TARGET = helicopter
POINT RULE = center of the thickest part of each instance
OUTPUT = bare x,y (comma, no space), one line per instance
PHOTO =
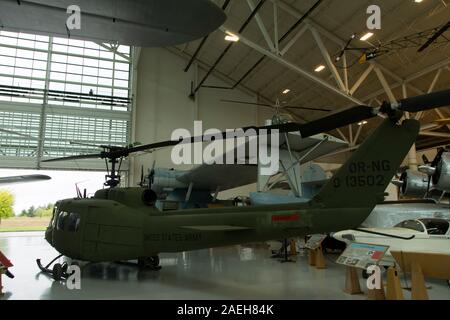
122,224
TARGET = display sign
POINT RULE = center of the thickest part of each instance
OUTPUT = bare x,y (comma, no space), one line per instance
315,241
362,255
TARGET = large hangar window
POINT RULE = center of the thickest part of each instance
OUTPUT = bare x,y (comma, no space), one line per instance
60,96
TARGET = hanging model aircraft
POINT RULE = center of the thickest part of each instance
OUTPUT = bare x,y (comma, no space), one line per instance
123,224
24,178
150,23
199,187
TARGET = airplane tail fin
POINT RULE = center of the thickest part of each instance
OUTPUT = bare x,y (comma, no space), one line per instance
362,180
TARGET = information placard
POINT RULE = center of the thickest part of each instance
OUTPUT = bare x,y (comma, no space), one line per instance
362,255
315,241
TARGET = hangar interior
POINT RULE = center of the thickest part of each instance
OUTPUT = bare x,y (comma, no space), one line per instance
62,97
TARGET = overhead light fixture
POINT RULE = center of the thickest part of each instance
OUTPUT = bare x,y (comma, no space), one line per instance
286,91
231,37
367,36
418,1
320,68
362,123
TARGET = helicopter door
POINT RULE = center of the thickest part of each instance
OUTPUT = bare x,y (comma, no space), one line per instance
67,235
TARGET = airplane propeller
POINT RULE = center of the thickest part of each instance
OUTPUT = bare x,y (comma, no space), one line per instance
141,183
333,121
151,177
431,169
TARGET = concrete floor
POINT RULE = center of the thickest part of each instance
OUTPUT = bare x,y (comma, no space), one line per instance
241,272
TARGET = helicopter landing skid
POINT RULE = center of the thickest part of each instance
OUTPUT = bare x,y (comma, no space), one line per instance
58,272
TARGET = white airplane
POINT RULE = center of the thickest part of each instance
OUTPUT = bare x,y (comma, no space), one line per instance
23,179
420,235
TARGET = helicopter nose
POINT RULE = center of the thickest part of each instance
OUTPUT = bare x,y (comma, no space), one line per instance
48,235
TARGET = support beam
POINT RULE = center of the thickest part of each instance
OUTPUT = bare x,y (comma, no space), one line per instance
295,13
326,56
275,28
385,85
361,79
411,78
262,27
342,135
229,46
350,134
344,60
293,40
432,86
114,50
293,67
358,133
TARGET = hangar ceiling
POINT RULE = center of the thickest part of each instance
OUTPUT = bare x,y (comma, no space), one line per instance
323,34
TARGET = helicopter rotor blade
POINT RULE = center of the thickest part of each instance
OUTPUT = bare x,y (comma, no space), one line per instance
19,134
80,157
274,107
425,102
333,121
249,103
306,108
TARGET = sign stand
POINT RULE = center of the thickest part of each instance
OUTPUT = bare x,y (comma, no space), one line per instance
352,282
421,265
376,294
418,287
394,288
312,258
320,259
286,254
361,256
293,247
314,246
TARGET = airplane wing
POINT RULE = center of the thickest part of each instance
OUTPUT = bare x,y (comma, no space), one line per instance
23,179
222,177
217,228
225,177
307,149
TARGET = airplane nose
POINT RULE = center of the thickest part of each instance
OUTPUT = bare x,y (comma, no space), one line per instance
344,236
337,236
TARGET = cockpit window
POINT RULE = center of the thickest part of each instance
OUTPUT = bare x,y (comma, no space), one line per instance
73,222
55,212
436,226
412,225
61,220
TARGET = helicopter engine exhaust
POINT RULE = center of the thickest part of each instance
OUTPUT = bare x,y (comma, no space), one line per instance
134,197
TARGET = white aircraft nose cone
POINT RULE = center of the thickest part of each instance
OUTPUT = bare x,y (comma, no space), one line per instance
344,236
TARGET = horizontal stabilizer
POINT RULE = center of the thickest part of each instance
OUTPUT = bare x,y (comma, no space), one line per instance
217,228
